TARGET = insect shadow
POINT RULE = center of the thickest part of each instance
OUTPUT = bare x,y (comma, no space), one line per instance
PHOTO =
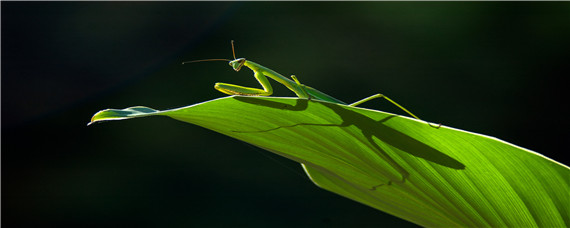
370,128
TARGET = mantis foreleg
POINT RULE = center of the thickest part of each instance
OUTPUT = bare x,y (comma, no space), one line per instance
231,89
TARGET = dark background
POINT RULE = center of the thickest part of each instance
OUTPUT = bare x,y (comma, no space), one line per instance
493,68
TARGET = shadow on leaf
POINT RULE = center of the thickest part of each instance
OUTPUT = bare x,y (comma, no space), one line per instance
369,128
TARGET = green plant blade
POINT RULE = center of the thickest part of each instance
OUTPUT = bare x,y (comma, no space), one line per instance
429,176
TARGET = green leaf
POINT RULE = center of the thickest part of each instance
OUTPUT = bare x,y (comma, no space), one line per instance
429,176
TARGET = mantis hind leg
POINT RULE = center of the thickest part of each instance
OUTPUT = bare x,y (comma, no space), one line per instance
393,102
247,91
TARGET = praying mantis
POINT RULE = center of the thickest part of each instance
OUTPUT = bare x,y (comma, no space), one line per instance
261,74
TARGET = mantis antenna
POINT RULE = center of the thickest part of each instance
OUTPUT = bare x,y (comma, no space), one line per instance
233,50
206,60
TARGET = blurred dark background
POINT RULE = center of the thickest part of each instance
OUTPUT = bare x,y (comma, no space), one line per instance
494,68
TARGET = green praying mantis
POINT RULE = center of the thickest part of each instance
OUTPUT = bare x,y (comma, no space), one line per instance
261,74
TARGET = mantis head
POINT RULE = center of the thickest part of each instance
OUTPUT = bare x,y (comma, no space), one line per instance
237,63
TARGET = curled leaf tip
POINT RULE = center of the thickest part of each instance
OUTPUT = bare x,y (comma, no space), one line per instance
121,114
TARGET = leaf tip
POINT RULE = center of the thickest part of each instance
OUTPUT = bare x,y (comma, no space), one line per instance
121,114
